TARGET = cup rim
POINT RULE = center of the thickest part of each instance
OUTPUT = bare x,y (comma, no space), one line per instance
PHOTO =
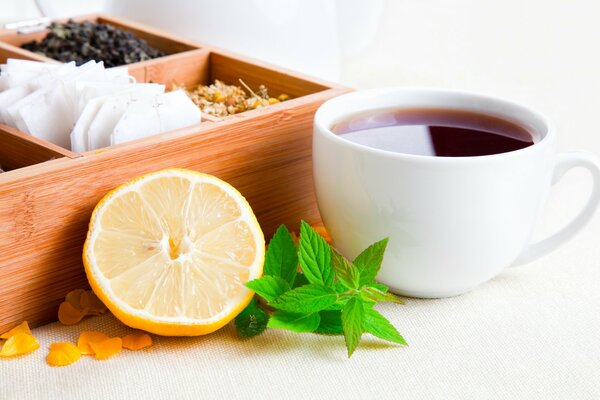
547,137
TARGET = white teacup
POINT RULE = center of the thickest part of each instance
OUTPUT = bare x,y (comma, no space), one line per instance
453,222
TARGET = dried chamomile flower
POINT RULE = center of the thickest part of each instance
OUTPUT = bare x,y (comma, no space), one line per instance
21,328
21,343
107,348
62,354
137,341
221,100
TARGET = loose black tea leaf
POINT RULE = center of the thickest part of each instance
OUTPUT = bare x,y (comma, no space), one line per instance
85,41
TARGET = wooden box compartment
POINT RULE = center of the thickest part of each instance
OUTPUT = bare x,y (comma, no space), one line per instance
48,194
167,43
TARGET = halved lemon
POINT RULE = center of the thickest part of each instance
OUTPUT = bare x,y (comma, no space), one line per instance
169,252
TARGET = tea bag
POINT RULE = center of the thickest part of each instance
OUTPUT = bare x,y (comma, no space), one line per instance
3,82
119,75
113,109
51,116
79,135
50,76
21,72
165,112
9,97
86,91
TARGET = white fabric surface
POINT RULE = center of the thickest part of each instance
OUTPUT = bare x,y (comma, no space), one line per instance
530,333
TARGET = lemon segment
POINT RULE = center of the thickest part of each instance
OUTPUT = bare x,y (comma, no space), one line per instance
170,252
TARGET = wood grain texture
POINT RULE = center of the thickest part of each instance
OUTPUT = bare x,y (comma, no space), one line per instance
45,207
19,150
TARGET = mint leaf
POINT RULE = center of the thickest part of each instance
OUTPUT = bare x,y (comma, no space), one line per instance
377,325
379,286
315,256
352,323
269,287
369,261
376,295
300,280
281,259
252,321
305,299
345,272
331,323
294,321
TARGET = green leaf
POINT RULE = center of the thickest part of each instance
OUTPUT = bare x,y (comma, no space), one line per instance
269,287
252,321
379,286
331,323
281,259
369,261
315,256
306,299
377,325
294,321
352,323
300,280
345,272
376,295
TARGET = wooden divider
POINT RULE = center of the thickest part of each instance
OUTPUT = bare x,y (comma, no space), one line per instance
45,207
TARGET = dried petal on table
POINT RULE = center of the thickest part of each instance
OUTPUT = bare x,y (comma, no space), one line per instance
137,341
74,297
107,348
90,301
87,338
21,343
320,229
69,315
62,354
22,328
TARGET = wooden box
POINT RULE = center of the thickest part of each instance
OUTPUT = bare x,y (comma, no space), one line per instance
48,193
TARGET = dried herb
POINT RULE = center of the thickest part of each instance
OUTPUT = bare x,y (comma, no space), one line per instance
221,99
85,41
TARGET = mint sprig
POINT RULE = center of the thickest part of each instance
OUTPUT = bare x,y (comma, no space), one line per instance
330,295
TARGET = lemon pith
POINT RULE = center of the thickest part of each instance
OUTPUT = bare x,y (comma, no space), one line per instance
169,252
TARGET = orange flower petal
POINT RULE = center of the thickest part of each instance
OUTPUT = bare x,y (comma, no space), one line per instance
86,338
107,348
92,302
320,229
20,343
137,341
69,315
23,328
74,297
62,354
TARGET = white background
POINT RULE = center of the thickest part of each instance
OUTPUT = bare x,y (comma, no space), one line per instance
530,333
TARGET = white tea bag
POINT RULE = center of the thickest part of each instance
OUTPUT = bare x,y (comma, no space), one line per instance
3,82
10,113
51,76
52,116
113,109
164,113
11,96
21,72
119,75
47,117
79,135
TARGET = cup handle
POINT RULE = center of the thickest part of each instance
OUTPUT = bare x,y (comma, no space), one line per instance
564,162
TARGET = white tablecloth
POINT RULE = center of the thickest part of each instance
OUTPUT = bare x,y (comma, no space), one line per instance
530,333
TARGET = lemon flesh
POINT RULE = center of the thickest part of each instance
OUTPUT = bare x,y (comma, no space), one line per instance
170,252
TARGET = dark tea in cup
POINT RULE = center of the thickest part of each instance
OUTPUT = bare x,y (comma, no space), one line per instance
434,132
